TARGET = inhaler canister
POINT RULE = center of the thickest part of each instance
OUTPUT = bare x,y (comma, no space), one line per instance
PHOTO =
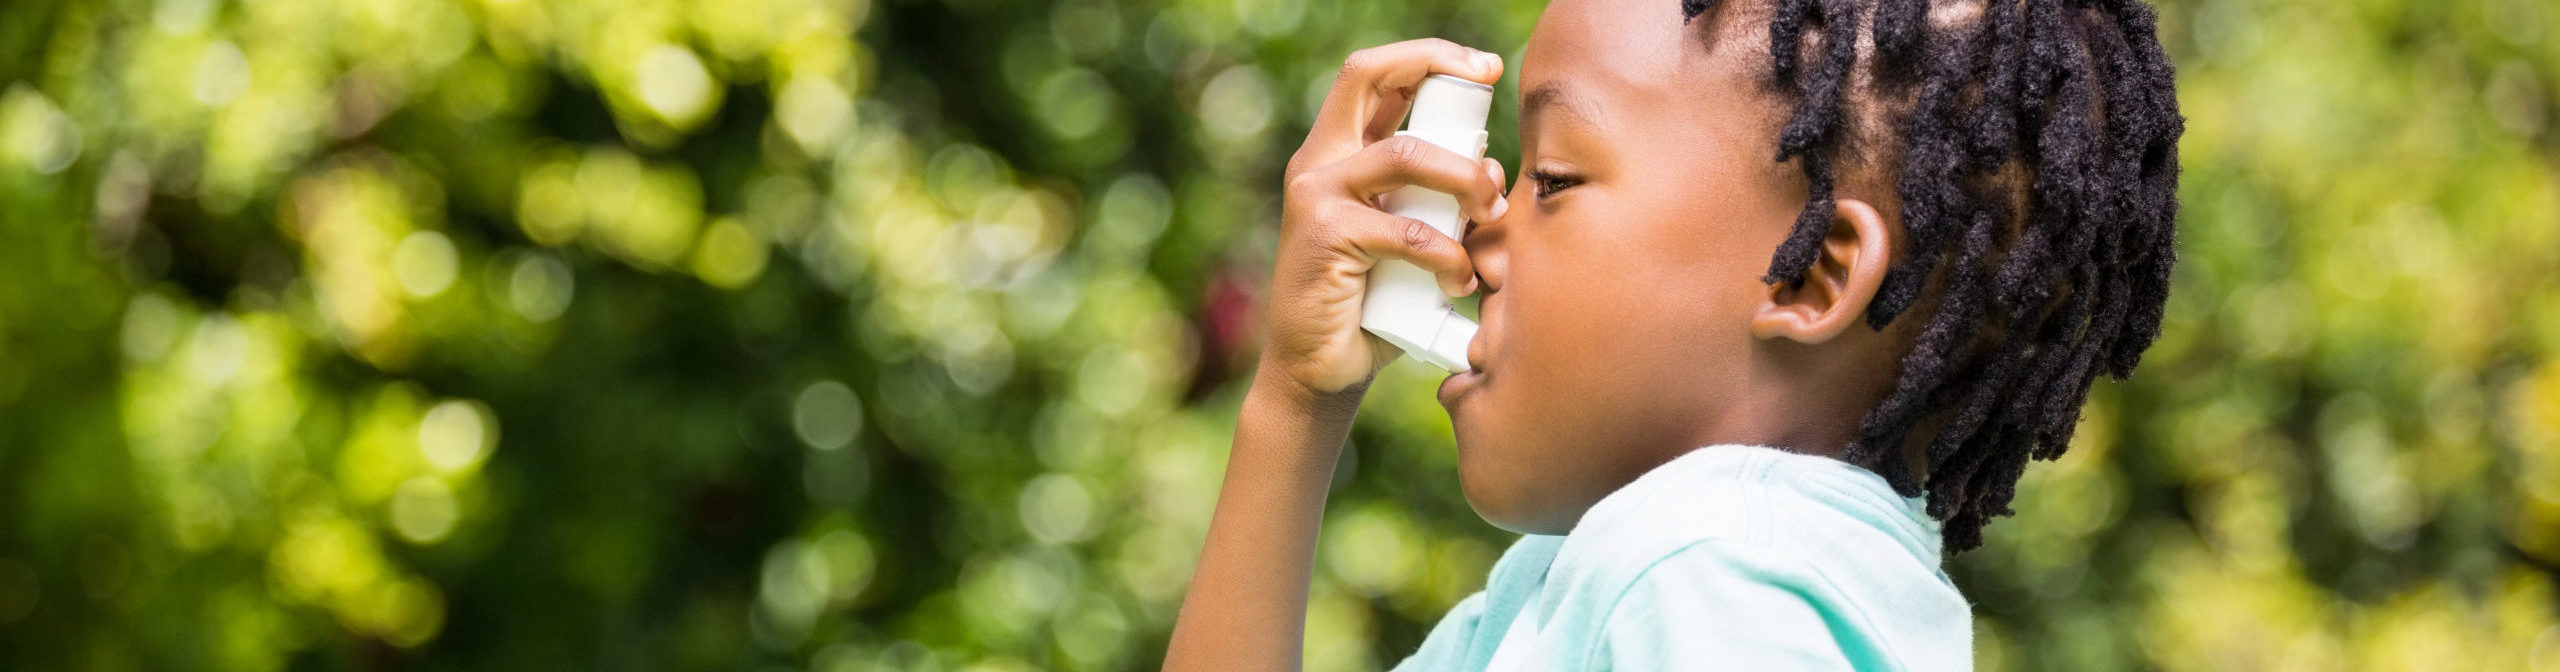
1404,304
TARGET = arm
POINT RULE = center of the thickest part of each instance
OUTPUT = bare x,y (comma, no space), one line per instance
1248,602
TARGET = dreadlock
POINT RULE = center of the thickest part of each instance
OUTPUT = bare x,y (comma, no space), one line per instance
2035,143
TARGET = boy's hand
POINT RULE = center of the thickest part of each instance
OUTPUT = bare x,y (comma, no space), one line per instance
1331,230
1248,602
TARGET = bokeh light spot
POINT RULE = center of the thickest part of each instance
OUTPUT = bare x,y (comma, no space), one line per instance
1373,550
37,132
1236,105
826,415
150,327
539,287
181,17
1132,214
795,585
424,263
411,613
850,563
221,75
674,84
1112,380
423,510
729,256
1056,509
1076,102
814,111
455,435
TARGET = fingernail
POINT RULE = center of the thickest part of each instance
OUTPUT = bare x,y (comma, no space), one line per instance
1500,206
1472,282
1488,62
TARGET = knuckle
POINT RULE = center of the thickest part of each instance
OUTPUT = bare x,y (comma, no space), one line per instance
1307,183
1403,152
1417,235
1358,63
1295,183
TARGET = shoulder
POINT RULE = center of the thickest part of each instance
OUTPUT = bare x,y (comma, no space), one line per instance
1736,603
1787,556
1466,636
1757,606
1747,497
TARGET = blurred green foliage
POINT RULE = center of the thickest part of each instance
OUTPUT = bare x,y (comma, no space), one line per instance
825,334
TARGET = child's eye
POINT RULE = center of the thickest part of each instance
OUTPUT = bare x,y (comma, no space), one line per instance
1547,182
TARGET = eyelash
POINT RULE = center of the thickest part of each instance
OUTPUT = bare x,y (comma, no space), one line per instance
1547,182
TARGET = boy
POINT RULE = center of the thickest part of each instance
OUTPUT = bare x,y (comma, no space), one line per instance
1754,461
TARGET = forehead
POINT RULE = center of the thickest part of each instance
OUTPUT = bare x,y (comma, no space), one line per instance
1607,41
1642,56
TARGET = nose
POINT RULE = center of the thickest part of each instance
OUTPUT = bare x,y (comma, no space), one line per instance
1484,242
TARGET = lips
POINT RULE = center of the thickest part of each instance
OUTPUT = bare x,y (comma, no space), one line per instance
1459,384
1479,349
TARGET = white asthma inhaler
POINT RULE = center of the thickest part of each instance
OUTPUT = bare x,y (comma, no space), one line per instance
1404,304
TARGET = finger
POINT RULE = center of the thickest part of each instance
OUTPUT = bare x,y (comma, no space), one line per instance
1406,160
1372,236
1392,106
1360,90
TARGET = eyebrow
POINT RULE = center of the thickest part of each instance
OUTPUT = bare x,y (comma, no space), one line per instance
1557,96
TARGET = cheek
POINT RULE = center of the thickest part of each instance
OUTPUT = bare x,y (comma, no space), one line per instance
1596,315
1624,313
1642,283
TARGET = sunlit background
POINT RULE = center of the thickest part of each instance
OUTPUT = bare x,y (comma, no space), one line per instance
834,335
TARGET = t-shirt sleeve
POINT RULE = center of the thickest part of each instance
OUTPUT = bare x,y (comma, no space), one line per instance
1713,606
1446,647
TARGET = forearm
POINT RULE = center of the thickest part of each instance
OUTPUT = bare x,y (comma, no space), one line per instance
1247,606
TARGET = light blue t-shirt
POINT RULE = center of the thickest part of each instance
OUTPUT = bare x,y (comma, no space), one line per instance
1729,557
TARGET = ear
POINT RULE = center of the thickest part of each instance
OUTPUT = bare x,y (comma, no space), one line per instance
1843,280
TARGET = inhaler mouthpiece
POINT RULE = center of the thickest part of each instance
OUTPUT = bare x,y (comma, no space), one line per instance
1404,304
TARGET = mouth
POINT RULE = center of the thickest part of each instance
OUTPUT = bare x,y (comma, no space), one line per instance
1457,385
1479,350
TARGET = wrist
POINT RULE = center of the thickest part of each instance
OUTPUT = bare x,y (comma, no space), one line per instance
1286,427
1274,390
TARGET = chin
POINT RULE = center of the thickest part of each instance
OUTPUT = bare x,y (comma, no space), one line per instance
1503,494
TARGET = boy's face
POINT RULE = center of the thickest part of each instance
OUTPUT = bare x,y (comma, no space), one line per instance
1619,289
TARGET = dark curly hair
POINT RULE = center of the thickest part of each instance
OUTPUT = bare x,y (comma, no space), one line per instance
2033,150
